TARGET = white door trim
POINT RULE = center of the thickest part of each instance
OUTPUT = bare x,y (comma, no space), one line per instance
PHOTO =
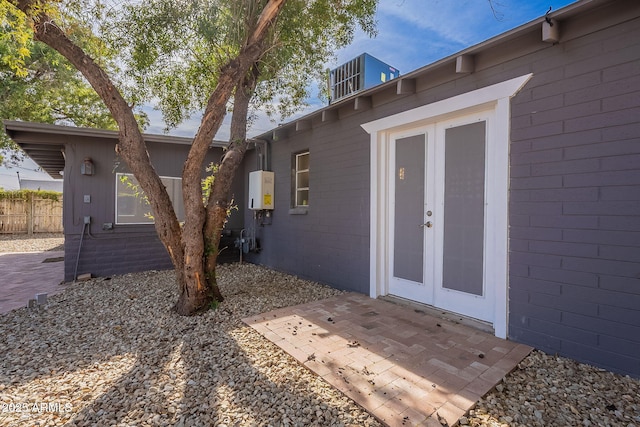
496,98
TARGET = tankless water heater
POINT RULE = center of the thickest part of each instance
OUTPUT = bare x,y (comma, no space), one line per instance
261,185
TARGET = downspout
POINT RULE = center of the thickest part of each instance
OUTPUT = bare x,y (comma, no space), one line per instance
263,154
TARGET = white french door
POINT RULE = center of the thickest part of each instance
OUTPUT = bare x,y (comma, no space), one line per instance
437,211
451,252
411,256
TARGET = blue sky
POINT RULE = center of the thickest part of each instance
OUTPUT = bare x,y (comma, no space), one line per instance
411,34
414,33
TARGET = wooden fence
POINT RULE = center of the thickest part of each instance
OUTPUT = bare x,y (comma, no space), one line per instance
30,213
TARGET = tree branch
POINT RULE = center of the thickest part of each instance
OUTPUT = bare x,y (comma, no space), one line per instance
131,142
230,75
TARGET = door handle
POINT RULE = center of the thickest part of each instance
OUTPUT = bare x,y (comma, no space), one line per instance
427,224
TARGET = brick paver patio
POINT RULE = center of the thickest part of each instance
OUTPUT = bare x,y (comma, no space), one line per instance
403,365
23,275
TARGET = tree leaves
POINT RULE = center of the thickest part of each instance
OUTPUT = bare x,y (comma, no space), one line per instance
15,39
38,84
176,59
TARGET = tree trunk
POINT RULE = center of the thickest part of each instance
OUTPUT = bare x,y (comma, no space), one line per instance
131,145
219,201
185,245
196,295
197,291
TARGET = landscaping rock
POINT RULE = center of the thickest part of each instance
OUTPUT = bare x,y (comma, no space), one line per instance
112,352
38,242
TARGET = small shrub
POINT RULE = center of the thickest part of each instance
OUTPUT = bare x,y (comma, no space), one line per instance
24,194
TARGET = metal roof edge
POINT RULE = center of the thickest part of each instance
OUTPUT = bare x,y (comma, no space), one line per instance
46,128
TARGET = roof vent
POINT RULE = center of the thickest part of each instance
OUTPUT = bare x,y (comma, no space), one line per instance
359,74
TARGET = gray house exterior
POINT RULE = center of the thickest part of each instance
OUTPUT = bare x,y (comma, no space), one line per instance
501,184
110,243
555,255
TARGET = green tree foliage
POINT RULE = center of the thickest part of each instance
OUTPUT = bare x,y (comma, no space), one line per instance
14,39
176,60
23,194
38,84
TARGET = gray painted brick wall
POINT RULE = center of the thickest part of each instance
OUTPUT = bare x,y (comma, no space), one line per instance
330,243
575,203
574,236
114,254
127,247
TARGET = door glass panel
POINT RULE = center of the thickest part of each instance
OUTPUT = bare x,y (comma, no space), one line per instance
408,245
464,208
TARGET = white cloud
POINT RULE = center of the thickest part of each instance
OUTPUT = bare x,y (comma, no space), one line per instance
188,128
414,33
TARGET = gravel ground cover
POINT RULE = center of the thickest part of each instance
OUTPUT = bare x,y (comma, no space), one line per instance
31,243
111,352
546,390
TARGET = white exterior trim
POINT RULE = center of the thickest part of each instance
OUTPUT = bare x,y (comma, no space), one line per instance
495,97
441,109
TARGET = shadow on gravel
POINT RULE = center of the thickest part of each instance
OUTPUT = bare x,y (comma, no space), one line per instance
110,352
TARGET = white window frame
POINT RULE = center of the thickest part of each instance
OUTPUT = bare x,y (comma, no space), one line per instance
176,199
297,173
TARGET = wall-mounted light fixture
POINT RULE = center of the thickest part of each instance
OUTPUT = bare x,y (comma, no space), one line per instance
87,166
550,29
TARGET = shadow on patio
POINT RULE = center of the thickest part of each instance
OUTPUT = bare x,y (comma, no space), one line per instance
403,365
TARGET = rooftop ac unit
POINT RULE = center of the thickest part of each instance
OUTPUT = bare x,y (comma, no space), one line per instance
359,74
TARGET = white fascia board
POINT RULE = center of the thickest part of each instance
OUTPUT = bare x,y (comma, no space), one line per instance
477,97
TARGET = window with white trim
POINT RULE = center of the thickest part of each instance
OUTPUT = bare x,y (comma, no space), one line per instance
301,180
132,206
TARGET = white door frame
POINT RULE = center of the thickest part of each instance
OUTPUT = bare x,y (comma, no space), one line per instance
495,99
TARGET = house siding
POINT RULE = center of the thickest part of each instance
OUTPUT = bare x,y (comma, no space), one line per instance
574,187
125,248
329,244
575,201
114,254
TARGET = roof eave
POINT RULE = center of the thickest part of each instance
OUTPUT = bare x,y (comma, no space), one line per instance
533,25
14,126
